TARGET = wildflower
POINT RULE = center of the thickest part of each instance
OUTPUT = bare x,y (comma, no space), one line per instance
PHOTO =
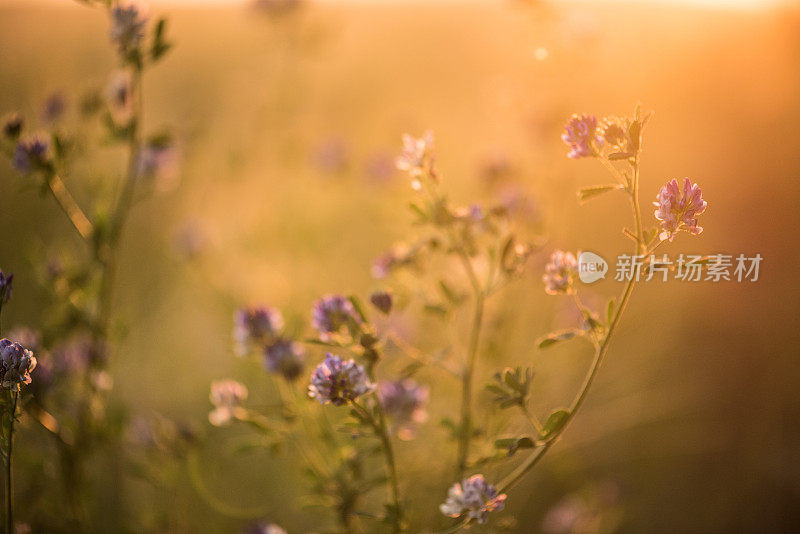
560,272
417,157
404,401
158,161
12,126
53,107
255,327
5,287
338,381
31,154
127,27
16,364
382,300
615,136
227,397
400,255
679,212
331,314
285,357
581,136
119,96
474,496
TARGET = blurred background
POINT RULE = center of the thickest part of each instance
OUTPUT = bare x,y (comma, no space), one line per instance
288,117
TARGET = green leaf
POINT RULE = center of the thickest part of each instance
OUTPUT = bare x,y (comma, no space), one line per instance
512,445
160,45
588,193
358,307
555,422
556,337
423,217
610,311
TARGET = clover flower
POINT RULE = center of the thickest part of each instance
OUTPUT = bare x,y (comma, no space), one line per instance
338,381
475,497
679,212
615,136
12,126
560,272
416,157
227,397
16,364
255,327
31,154
331,314
119,96
127,27
581,136
285,357
5,287
404,402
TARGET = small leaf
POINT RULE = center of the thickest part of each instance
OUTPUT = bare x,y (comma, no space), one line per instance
358,307
555,422
590,192
610,310
556,337
619,155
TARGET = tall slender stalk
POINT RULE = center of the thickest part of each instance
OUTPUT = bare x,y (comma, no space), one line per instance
9,465
465,434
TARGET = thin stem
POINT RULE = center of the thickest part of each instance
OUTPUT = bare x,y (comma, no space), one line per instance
537,425
637,214
610,166
534,458
69,206
9,470
465,433
382,432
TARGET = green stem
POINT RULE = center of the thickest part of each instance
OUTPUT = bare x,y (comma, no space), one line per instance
637,214
69,206
465,428
9,470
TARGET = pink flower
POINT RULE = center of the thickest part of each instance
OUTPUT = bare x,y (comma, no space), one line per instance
559,272
679,212
417,156
581,136
473,496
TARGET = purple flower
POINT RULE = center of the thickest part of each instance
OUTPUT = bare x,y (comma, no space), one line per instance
338,381
5,287
284,357
54,107
31,154
227,397
16,364
127,27
581,136
331,314
475,497
255,327
404,402
679,212
560,272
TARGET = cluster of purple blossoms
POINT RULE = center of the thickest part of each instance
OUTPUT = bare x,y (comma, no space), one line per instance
5,287
128,22
54,107
404,402
16,364
559,273
475,497
416,157
581,136
331,314
337,381
679,212
284,357
255,327
227,397
31,154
